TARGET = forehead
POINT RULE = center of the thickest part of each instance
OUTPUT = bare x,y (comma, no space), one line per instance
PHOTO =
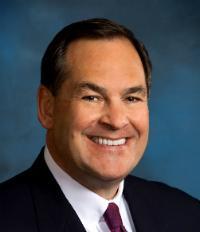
104,60
93,49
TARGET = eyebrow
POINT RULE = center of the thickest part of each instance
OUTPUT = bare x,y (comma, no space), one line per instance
91,86
136,89
101,90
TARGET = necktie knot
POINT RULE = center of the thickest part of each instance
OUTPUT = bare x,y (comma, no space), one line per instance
113,218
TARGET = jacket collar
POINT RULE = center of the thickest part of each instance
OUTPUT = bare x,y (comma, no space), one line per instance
140,204
53,211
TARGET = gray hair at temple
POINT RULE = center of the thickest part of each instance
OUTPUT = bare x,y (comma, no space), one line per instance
53,70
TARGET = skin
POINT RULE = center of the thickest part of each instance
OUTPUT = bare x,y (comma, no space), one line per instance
104,96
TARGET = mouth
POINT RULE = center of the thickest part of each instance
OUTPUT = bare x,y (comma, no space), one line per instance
108,141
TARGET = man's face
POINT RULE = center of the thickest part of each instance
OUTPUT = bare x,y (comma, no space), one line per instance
100,115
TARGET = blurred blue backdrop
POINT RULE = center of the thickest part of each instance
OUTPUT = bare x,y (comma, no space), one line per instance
171,32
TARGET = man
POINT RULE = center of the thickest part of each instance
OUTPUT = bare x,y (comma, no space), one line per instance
93,101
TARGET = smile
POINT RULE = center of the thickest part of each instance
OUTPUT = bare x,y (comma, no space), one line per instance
109,142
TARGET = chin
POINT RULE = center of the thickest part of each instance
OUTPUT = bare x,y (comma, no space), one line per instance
111,175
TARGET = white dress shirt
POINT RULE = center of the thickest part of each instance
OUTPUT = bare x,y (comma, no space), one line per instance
88,205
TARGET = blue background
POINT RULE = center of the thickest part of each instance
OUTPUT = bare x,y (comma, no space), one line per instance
171,32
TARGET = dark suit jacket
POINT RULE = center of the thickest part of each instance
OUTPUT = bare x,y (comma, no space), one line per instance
34,202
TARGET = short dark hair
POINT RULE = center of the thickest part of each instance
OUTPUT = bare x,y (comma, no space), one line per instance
52,71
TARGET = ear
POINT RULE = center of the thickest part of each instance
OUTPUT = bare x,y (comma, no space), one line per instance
45,107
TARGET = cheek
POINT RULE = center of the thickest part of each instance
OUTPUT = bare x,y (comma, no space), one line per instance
140,119
144,122
83,117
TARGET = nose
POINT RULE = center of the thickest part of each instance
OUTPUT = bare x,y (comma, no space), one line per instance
114,117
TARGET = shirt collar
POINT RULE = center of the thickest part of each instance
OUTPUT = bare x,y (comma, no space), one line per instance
87,204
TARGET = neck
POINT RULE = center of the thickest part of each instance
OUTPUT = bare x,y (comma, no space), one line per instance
105,189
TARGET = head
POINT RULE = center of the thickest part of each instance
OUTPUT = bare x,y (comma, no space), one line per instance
93,101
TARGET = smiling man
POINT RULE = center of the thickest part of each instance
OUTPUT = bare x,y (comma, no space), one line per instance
93,102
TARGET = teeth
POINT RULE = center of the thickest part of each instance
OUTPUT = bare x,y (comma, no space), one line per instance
109,142
105,141
100,140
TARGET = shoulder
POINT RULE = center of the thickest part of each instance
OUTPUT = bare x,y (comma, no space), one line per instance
15,192
154,187
16,204
162,196
157,190
18,187
168,208
16,183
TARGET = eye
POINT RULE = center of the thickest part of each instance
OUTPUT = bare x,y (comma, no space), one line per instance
132,99
91,98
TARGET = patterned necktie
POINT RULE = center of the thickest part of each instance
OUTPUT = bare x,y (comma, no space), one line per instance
113,218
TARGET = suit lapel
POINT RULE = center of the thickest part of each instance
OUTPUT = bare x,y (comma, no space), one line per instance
140,206
53,211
